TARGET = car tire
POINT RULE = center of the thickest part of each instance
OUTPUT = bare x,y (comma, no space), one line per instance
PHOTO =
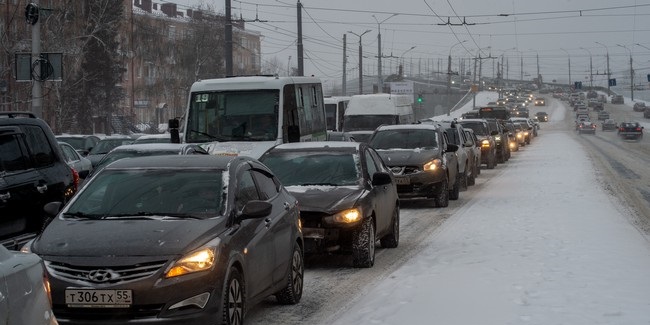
392,239
462,181
233,298
472,179
363,245
454,192
491,161
292,293
441,199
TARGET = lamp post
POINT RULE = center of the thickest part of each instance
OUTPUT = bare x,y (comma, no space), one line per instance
360,59
380,82
631,72
449,77
401,62
591,74
608,74
569,55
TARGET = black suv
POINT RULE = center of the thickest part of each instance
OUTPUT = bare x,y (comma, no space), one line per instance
497,129
32,173
421,158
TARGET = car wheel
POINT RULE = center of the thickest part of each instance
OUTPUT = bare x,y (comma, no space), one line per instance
472,179
462,181
392,239
501,158
292,293
363,245
478,167
454,192
233,299
491,161
441,199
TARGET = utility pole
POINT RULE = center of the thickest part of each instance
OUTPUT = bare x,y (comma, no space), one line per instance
228,35
344,85
301,67
608,74
591,71
569,55
631,72
380,81
360,59
37,85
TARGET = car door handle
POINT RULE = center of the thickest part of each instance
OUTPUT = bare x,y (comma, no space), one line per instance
268,220
42,189
5,197
287,205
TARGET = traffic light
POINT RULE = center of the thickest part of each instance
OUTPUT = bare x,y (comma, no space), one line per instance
420,98
578,84
612,82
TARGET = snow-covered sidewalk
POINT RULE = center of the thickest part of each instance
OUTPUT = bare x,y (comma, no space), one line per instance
551,246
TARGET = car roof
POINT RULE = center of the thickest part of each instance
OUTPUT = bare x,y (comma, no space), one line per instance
176,162
425,125
340,145
153,146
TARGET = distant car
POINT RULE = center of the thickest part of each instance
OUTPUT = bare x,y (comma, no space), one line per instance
587,127
639,107
618,99
105,145
81,165
154,138
148,149
630,130
348,197
24,290
609,125
83,143
513,143
422,159
603,115
475,153
539,101
488,145
172,240
542,116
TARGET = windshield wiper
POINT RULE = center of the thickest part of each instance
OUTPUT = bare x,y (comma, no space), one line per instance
323,184
80,215
141,215
211,136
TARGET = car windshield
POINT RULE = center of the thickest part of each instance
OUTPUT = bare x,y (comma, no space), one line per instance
77,143
314,168
150,193
478,127
404,139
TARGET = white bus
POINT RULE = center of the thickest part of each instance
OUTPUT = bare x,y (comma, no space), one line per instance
248,115
335,107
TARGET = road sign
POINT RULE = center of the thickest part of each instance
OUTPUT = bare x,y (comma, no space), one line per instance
612,82
401,88
578,84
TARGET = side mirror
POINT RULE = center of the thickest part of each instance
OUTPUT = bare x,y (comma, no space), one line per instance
256,209
381,178
52,208
494,133
452,148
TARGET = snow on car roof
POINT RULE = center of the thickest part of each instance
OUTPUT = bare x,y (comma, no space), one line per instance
318,144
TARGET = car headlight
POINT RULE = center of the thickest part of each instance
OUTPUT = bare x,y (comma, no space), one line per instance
432,165
348,216
497,138
485,143
196,261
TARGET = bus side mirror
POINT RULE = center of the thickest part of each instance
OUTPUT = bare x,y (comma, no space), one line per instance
172,126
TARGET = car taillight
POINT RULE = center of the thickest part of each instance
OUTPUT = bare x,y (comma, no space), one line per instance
638,129
75,179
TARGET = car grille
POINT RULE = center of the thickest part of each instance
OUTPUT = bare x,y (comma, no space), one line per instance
103,274
404,170
312,219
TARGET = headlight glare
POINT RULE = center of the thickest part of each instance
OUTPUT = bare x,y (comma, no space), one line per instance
432,165
196,261
348,216
485,143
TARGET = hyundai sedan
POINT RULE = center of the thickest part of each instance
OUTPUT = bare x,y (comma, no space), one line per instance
173,240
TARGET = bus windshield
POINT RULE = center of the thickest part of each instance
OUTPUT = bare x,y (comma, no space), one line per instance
250,115
367,122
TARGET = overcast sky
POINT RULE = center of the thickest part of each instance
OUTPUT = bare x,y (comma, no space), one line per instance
556,30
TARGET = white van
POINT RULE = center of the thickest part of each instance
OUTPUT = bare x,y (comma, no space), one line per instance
334,110
366,112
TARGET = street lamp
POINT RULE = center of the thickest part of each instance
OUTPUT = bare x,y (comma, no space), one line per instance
643,46
380,83
591,74
539,77
608,74
401,62
631,72
569,55
449,77
360,59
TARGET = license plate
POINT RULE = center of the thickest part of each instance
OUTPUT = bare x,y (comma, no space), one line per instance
402,180
92,298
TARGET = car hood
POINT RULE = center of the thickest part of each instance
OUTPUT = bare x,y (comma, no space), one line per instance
328,199
125,237
403,157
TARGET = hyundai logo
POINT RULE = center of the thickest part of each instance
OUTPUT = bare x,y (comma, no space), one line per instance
101,276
